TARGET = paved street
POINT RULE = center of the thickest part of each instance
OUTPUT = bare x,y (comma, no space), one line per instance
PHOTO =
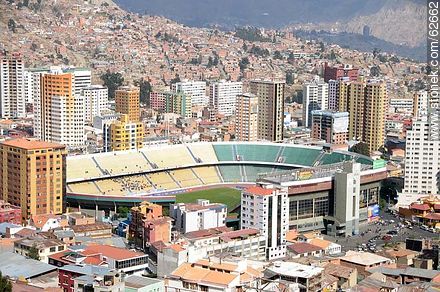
368,231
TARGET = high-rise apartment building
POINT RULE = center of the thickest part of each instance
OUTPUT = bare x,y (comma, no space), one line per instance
330,126
194,89
422,161
366,105
420,104
33,176
171,102
315,97
246,117
270,108
223,94
126,135
127,101
268,211
338,72
58,111
337,94
12,87
95,101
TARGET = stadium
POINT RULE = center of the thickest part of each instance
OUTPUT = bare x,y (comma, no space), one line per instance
162,171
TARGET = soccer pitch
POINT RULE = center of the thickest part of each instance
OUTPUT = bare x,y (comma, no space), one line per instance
228,196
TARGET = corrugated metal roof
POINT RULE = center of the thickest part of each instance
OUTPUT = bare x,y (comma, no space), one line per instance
15,265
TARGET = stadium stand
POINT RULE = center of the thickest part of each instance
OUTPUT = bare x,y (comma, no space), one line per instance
267,153
82,167
122,162
208,174
185,177
253,171
300,155
162,181
178,155
84,188
224,152
137,184
205,152
231,173
111,187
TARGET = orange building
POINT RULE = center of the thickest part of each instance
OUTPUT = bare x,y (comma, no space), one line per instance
33,176
127,100
148,225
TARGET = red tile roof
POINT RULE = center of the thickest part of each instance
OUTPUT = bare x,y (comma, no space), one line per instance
29,144
421,207
303,247
255,190
111,252
432,216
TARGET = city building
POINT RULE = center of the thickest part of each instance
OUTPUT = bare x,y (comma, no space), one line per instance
362,261
341,71
367,102
196,90
103,123
111,281
268,211
95,101
198,216
125,135
33,176
345,219
171,102
127,101
148,225
330,126
12,87
315,97
44,247
420,104
270,108
59,109
223,95
337,94
143,284
421,163
120,259
9,213
246,117
309,277
68,273
313,196
212,276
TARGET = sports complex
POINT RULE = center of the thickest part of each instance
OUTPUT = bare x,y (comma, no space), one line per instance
159,173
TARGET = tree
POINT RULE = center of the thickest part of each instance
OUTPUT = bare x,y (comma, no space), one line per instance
33,253
112,80
361,148
12,26
375,71
123,211
277,55
244,63
5,284
289,77
145,89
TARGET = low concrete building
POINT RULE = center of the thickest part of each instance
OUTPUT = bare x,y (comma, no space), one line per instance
201,215
363,261
308,277
347,276
45,247
143,284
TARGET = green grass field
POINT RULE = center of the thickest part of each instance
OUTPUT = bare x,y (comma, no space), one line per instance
227,196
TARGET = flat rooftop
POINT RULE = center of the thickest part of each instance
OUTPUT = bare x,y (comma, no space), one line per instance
291,269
